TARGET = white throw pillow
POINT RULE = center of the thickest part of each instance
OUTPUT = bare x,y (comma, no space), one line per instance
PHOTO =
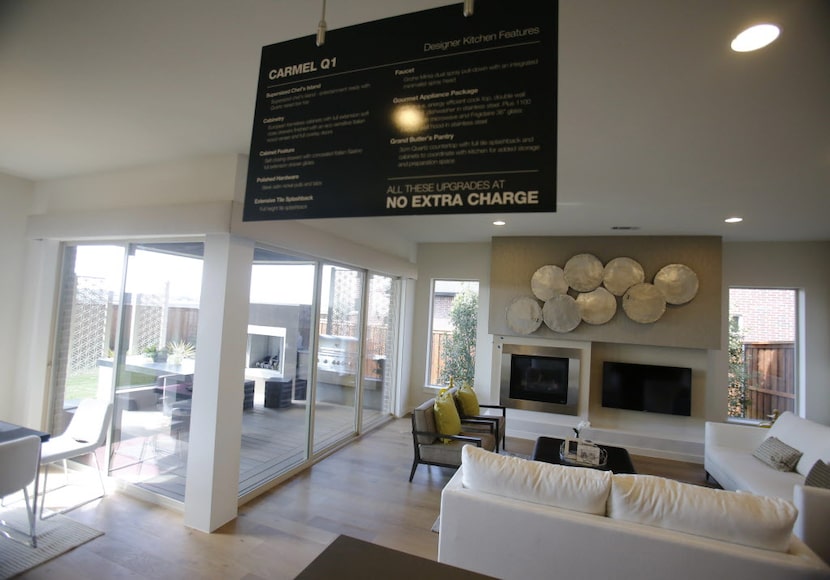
572,488
739,518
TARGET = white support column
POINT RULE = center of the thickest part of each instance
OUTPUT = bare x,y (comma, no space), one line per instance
212,490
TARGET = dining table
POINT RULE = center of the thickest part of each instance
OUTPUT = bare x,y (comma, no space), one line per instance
10,432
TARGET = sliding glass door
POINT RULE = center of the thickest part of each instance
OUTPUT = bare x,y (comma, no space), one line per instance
154,362
380,348
338,355
319,357
275,413
91,281
319,345
126,333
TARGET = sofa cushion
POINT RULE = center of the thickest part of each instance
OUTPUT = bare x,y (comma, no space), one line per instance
819,475
777,454
739,518
736,469
809,437
573,488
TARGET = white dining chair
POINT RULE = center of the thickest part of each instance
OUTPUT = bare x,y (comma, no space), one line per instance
19,459
86,432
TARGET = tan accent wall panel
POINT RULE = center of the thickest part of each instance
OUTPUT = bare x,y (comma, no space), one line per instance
696,324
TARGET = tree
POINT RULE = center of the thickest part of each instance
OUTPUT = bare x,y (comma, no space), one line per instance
737,400
459,352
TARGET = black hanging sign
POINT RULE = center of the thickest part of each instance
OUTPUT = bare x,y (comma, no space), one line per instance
426,113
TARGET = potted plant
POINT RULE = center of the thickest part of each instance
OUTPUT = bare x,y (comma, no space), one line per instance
180,350
155,353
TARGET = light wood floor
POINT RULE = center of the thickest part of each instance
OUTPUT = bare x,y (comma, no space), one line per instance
361,490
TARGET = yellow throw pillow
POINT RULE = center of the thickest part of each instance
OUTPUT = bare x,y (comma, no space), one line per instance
447,420
468,400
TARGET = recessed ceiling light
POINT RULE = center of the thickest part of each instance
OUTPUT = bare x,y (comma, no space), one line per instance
734,220
625,228
499,223
755,37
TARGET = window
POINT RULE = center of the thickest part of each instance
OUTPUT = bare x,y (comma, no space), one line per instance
453,332
762,352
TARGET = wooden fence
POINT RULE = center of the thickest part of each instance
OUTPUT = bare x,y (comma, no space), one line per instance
770,378
376,337
439,339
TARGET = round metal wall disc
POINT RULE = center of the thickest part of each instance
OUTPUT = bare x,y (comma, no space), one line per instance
561,314
524,315
597,306
644,303
583,272
547,282
677,282
620,274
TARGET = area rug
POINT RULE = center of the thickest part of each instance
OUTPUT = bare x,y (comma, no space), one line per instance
55,536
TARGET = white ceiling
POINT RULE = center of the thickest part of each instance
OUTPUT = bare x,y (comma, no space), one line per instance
661,126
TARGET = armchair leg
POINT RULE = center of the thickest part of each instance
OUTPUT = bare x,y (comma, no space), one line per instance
414,467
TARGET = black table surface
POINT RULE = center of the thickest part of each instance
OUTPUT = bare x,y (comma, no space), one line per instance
547,449
351,558
10,431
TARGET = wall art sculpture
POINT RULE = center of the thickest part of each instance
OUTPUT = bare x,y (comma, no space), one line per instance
585,290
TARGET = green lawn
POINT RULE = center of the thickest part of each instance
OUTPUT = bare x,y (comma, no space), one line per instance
82,385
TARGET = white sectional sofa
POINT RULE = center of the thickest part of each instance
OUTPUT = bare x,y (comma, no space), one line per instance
509,517
728,458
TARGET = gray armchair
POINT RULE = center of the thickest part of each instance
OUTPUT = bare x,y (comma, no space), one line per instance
434,448
498,417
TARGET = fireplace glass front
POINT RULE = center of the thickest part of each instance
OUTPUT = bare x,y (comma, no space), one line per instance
538,378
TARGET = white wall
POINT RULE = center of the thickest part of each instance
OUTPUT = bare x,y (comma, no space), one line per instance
199,180
15,199
450,262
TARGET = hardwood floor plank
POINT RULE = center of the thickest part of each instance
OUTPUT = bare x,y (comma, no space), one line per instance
360,490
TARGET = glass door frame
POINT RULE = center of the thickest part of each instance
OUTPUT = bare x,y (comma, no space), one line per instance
60,345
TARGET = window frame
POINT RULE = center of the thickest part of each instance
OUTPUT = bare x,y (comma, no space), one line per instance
742,321
431,326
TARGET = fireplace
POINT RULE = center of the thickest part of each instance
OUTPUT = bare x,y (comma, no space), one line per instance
540,378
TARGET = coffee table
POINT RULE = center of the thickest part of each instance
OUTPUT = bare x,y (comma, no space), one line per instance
547,450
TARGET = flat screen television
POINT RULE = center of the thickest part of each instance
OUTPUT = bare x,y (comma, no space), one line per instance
651,388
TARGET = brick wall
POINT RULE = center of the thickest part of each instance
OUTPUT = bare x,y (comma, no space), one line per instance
766,315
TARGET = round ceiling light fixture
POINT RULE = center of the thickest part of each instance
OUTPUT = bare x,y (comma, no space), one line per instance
755,37
499,223
734,220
